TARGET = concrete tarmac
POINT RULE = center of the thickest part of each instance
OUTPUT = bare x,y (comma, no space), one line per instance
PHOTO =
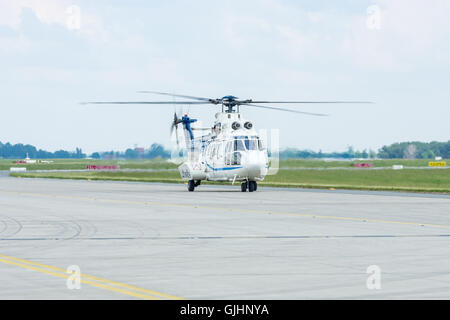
159,241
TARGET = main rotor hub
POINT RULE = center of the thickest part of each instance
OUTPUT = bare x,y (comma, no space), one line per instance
230,102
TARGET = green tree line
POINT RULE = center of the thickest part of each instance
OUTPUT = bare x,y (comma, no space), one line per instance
416,150
155,151
19,151
308,154
402,150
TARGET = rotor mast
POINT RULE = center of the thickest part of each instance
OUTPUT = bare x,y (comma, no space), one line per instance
231,104
230,107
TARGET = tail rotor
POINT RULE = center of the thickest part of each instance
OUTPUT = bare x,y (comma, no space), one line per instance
174,126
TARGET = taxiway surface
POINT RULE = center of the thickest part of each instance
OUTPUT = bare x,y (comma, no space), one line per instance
142,240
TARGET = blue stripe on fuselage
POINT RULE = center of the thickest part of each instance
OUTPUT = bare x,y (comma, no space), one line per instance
222,169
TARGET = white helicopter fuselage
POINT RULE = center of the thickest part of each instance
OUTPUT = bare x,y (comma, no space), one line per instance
233,151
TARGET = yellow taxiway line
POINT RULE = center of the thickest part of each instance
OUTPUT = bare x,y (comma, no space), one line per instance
88,279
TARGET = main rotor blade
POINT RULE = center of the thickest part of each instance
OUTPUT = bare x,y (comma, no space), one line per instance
179,96
287,110
306,102
146,102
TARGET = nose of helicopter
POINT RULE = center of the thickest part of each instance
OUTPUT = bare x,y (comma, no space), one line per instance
254,165
253,171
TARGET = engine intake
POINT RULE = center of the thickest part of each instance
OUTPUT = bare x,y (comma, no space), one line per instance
248,125
235,125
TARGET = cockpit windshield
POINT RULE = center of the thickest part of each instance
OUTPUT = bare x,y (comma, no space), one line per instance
243,143
238,145
251,144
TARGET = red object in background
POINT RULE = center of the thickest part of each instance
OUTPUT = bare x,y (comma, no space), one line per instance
363,165
20,161
95,167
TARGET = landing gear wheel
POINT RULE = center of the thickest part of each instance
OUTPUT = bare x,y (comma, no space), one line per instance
251,186
244,186
191,185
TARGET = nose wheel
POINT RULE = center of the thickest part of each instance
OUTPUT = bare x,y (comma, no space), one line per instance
250,185
192,184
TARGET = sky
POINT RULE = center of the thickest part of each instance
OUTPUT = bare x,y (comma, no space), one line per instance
56,54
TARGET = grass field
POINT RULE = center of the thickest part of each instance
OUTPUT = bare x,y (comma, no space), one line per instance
416,180
305,163
79,164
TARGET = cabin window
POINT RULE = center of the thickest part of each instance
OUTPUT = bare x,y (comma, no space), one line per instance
228,147
219,150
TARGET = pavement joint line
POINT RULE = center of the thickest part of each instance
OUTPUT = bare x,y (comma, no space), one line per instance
240,210
93,280
332,236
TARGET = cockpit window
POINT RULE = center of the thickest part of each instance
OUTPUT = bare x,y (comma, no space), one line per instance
251,144
243,143
228,147
239,145
260,145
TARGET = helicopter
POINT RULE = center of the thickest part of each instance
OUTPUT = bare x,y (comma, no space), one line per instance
231,150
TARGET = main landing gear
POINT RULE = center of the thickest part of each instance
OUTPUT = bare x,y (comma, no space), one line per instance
250,185
192,184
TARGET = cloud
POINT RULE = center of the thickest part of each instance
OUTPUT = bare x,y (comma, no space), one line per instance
257,48
411,33
240,30
10,13
59,12
16,45
47,11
